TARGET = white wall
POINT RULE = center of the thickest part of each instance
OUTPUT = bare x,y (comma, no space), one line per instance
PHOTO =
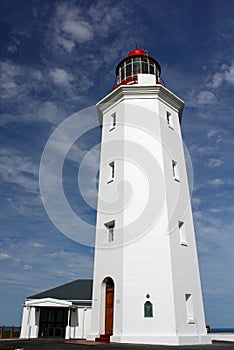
80,323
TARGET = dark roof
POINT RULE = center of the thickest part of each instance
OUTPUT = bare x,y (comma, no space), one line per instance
75,290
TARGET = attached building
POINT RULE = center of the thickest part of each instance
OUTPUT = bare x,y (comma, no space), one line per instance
64,311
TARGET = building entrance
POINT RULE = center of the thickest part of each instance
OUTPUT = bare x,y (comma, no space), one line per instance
53,321
109,306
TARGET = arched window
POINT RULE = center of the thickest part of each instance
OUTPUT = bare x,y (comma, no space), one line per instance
148,309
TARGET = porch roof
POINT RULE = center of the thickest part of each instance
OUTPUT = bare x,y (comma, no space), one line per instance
78,290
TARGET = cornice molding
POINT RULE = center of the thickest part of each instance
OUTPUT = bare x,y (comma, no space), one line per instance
144,92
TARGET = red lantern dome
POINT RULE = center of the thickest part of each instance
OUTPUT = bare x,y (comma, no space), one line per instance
137,62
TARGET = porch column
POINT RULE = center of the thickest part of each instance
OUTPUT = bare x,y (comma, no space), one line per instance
68,328
24,333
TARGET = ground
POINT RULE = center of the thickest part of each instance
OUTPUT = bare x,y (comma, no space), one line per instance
52,344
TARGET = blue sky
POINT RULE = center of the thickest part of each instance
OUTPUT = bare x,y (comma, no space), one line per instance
59,57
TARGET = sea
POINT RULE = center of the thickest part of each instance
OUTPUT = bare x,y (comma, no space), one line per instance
222,330
212,330
16,329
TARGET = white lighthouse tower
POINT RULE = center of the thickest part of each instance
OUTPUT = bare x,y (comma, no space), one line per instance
146,276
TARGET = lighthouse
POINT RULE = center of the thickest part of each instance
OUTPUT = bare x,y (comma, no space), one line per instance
146,283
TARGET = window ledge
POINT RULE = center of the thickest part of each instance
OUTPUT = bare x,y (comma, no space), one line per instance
109,181
190,320
176,179
184,243
113,128
170,127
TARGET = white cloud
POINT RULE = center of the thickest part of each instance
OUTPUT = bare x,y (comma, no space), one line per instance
217,134
74,25
196,201
199,98
49,111
18,169
70,27
216,182
214,162
87,176
205,97
36,74
17,81
61,76
20,84
13,45
9,74
79,31
105,16
26,205
212,133
215,243
27,267
201,150
90,24
208,94
216,80
36,245
216,210
4,256
226,74
229,76
65,43
69,259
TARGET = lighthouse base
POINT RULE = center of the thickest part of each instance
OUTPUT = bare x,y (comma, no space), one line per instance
162,340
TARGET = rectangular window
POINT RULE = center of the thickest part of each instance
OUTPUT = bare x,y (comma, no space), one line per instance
189,308
169,120
110,230
113,121
183,240
175,171
112,172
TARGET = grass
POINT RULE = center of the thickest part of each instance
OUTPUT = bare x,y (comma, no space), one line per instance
7,334
6,347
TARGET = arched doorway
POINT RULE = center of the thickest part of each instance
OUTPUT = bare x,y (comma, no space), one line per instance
109,305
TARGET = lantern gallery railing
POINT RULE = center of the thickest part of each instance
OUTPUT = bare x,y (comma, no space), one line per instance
134,80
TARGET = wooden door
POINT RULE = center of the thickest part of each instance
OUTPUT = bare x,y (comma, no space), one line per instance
109,310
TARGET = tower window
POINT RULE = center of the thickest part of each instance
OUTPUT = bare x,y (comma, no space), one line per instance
110,230
112,172
148,309
183,240
113,121
175,171
189,308
169,120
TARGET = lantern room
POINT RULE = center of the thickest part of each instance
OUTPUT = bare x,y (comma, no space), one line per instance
137,62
